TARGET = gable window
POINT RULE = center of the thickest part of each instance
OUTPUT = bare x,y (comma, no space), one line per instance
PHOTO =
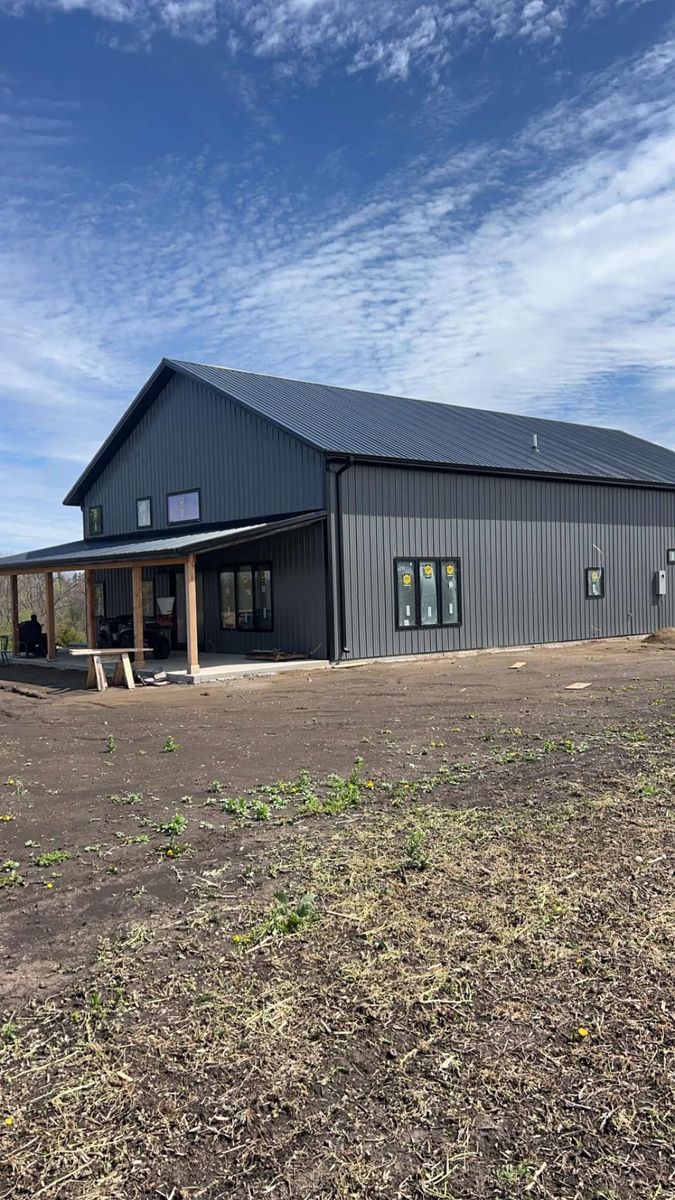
95,520
427,592
246,598
182,507
671,558
595,583
144,513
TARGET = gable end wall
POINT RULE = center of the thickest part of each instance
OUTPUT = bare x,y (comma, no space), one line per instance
193,437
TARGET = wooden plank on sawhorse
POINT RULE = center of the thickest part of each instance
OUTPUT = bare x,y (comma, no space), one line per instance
123,672
96,673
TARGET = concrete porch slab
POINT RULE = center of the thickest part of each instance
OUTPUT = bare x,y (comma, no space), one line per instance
213,668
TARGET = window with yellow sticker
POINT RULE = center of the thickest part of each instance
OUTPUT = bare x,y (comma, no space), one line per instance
427,592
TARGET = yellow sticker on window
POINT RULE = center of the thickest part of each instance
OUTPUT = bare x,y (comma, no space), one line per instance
428,570
407,579
449,569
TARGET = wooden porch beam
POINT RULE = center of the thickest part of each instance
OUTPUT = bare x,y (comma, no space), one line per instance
90,596
14,590
137,597
191,615
73,568
51,616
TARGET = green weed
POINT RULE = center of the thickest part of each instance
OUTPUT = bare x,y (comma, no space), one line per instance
177,825
51,858
284,919
416,856
9,873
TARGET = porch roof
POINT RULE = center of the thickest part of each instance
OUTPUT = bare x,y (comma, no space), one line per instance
167,548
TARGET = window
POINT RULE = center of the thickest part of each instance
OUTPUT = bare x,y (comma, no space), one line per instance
246,598
95,520
595,583
148,598
144,513
428,592
450,597
671,558
228,601
182,506
262,607
406,593
99,599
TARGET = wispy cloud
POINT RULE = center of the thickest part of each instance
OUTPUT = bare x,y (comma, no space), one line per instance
390,36
527,275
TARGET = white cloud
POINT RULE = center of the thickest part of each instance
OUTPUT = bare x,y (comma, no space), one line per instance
529,275
388,35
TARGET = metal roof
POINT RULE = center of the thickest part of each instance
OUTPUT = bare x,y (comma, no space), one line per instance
342,421
345,422
93,553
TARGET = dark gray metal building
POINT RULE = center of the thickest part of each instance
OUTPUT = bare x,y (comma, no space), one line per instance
344,524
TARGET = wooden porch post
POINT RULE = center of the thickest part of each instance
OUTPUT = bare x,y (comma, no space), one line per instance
191,615
137,593
91,608
51,617
14,591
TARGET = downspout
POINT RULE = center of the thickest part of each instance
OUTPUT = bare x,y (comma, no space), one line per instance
340,648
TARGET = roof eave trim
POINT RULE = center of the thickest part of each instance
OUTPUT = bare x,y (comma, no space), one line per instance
337,456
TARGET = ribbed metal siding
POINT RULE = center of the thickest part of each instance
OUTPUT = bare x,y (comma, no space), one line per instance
298,593
523,546
193,437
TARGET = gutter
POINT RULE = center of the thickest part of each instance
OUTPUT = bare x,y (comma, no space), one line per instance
340,648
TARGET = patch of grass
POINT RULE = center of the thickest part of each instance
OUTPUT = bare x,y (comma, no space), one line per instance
125,797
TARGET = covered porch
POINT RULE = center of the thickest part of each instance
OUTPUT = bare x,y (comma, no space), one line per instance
134,559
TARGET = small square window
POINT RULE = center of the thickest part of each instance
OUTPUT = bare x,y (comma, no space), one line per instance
95,520
671,557
144,513
595,583
182,506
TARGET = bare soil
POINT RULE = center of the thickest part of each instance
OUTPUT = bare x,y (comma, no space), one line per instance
403,930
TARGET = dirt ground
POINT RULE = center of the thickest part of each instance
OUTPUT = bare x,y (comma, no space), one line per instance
402,930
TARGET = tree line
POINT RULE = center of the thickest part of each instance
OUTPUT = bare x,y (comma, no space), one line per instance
69,604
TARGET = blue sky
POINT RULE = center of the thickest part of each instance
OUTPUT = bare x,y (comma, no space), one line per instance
470,201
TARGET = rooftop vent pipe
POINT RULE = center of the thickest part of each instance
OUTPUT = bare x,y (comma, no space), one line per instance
535,443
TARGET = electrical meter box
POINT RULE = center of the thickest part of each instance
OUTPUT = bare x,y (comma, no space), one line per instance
660,582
